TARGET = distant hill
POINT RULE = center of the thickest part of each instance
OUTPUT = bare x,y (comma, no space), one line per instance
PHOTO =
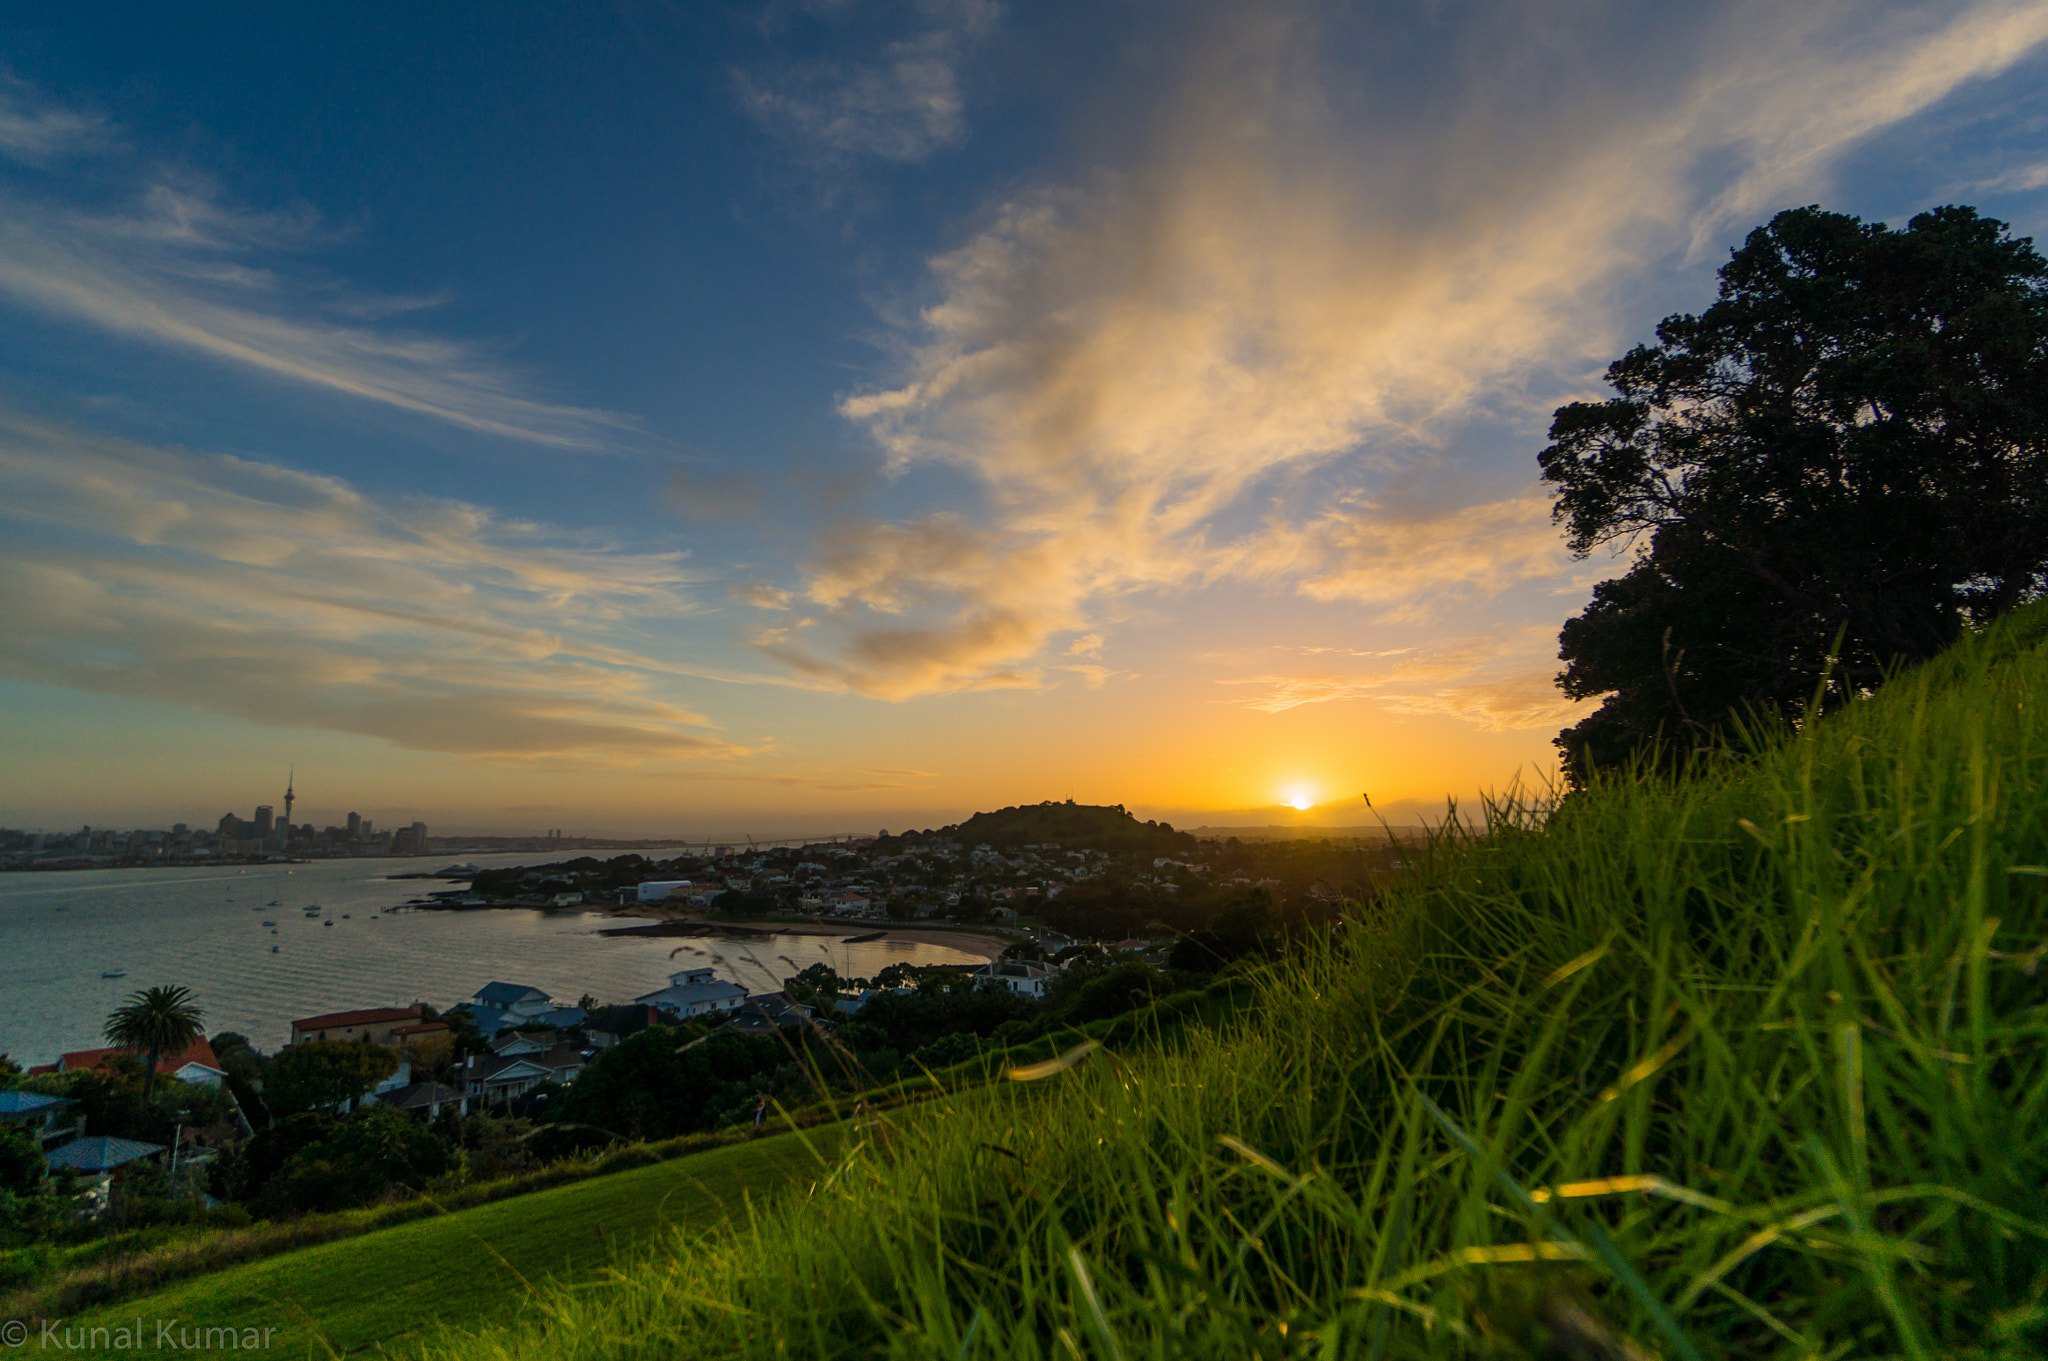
1075,826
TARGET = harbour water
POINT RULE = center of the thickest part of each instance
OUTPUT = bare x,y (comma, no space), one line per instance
204,928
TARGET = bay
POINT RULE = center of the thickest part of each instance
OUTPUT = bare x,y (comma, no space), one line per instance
203,928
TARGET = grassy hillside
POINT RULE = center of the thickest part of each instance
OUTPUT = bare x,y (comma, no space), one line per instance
1747,1067
477,1265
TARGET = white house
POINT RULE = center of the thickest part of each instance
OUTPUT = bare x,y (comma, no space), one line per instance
694,992
1026,978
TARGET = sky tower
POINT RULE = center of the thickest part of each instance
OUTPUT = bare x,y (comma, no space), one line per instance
288,797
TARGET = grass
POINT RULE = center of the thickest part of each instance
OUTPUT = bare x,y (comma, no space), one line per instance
1745,1066
63,1282
476,1265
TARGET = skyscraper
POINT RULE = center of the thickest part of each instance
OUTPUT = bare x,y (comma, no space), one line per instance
355,825
288,797
263,823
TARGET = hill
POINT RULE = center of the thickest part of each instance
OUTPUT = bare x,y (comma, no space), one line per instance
398,1285
1749,1064
1072,826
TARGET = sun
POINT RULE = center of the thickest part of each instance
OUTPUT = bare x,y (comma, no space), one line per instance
1300,799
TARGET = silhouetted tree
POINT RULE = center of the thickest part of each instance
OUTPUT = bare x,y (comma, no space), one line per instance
1851,443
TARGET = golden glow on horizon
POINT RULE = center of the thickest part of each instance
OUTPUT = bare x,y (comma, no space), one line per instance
1301,800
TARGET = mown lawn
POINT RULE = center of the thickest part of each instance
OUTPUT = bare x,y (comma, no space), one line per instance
383,1289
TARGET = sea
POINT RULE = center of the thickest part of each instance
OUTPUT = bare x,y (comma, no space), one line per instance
240,938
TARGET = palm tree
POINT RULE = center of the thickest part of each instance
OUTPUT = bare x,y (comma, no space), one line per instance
155,1021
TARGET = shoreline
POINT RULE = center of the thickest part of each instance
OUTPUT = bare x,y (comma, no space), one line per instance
968,942
987,944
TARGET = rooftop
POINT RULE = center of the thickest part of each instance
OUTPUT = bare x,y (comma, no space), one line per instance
199,1052
336,1020
99,1153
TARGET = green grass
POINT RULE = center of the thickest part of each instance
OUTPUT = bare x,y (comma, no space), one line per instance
1748,1066
477,1265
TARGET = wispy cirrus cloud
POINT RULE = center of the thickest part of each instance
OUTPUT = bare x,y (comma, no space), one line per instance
244,588
1310,286
36,132
174,265
1497,683
900,99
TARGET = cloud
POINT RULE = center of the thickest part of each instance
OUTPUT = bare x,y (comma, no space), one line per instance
1408,564
2018,180
899,102
284,598
179,268
35,132
760,595
1308,288
1497,683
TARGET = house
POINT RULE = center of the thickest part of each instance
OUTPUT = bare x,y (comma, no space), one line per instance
563,1063
515,1000
197,1063
424,1100
49,1118
378,1025
516,1043
99,1154
1026,978
491,1080
850,1006
693,993
677,891
420,1032
768,1013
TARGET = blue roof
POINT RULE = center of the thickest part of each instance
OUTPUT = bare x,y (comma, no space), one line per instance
505,994
99,1153
564,1017
30,1103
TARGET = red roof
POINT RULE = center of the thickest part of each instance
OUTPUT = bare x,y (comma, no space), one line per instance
339,1020
199,1051
423,1028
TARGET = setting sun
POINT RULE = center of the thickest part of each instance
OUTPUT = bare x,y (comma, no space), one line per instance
1300,799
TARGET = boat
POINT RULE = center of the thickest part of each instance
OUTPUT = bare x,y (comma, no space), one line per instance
273,949
328,922
344,916
113,973
268,922
272,903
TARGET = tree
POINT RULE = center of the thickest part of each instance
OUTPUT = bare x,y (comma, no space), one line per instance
322,1074
667,1081
155,1022
1831,472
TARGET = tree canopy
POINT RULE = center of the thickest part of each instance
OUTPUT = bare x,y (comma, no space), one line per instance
1829,473
155,1022
321,1074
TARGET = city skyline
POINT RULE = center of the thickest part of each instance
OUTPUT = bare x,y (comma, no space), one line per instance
802,418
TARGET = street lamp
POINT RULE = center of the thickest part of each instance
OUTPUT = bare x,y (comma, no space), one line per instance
177,1139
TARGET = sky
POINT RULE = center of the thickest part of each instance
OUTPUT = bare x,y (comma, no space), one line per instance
805,416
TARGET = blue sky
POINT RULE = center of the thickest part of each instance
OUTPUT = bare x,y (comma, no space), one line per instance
649,418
